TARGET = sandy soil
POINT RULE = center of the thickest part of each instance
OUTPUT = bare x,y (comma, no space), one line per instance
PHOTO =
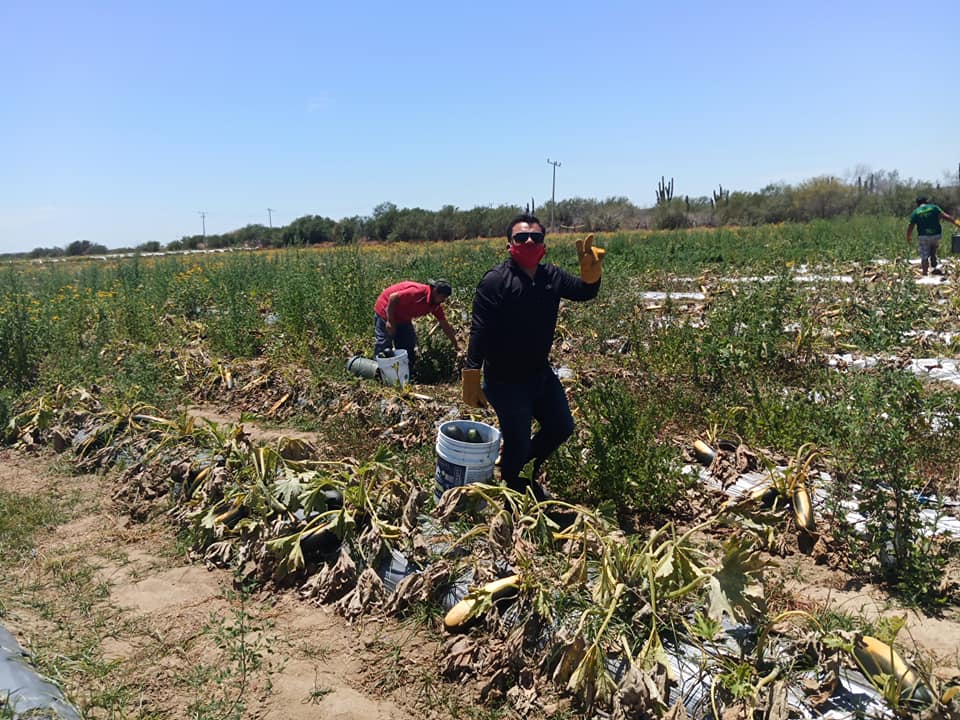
936,639
322,667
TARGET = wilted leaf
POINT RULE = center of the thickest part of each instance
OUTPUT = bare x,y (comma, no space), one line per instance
333,581
296,449
289,488
450,502
576,574
219,552
741,568
777,705
371,543
591,679
367,594
679,566
523,695
677,712
418,587
421,549
461,655
570,657
501,532
639,696
653,656
290,553
411,509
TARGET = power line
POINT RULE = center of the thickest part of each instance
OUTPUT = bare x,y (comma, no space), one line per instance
203,218
553,193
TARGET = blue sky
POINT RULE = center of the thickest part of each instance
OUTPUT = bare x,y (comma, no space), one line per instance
119,121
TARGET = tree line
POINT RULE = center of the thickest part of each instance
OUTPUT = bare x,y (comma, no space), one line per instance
874,193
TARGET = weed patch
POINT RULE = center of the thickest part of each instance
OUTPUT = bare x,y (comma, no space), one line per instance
22,518
618,457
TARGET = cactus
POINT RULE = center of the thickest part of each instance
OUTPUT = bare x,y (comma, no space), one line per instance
664,191
722,194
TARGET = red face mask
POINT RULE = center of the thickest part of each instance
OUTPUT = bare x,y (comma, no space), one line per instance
527,255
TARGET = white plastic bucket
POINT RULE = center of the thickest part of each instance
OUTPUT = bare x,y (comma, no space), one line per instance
460,462
395,370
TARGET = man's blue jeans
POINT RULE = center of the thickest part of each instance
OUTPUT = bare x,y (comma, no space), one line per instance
517,406
405,338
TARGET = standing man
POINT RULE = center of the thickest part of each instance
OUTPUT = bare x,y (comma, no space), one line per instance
926,218
396,309
514,320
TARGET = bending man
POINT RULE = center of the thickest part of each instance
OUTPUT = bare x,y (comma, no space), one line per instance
399,305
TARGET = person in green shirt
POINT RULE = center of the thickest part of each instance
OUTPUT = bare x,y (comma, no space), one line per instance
926,218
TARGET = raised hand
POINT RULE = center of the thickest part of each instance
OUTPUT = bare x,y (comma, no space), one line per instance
591,259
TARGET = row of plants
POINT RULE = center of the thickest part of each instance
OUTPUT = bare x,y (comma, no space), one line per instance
308,305
595,613
749,359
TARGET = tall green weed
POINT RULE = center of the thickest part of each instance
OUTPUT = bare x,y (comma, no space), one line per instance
618,456
888,433
22,337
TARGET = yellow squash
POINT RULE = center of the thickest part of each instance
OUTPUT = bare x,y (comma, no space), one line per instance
877,659
459,613
703,452
803,508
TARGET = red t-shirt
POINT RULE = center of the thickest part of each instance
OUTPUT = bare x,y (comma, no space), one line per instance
413,301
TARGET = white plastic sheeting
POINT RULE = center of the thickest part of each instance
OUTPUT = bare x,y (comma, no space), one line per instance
938,369
855,697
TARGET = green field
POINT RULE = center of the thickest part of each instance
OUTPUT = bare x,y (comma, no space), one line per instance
107,355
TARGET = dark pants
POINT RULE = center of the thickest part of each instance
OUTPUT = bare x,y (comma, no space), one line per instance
404,339
517,406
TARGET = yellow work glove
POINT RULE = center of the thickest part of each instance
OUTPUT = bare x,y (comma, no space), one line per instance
590,260
472,394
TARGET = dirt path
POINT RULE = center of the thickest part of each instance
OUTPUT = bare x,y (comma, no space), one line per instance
263,435
149,622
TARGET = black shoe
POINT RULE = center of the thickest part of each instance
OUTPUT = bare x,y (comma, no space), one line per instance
563,517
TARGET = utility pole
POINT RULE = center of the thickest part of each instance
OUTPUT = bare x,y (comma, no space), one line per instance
270,216
203,219
553,193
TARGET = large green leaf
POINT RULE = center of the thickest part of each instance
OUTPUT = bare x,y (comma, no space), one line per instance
742,567
288,489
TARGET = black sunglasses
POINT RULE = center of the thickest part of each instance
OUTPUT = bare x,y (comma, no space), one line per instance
522,237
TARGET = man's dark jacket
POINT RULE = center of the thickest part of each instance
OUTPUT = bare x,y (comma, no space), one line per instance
514,319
